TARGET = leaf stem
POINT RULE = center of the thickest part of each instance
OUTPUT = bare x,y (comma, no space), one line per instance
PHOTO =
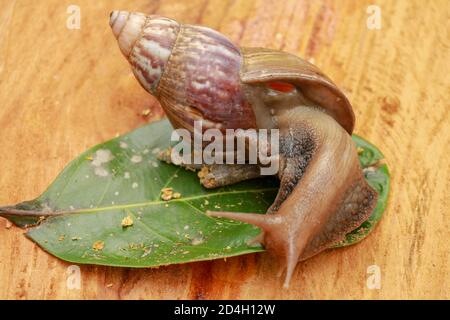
12,211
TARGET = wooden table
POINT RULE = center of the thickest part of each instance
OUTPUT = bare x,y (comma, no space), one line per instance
63,90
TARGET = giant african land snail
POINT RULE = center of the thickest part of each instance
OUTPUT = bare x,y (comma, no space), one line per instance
198,74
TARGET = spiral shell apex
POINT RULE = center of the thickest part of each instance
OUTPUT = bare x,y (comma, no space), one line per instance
147,42
192,70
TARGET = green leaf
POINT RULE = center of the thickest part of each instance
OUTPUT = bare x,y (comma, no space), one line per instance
81,215
378,178
367,152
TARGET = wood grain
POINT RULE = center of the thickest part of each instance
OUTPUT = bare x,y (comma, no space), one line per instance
65,90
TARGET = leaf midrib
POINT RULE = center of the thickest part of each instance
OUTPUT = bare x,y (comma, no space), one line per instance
160,202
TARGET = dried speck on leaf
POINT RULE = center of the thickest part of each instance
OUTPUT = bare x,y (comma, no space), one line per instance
127,222
203,172
123,145
197,241
146,252
176,195
166,194
98,245
206,178
136,158
101,157
369,169
154,164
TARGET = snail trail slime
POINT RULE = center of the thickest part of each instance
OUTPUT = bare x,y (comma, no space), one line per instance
197,74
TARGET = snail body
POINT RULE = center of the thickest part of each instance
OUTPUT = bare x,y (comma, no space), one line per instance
197,74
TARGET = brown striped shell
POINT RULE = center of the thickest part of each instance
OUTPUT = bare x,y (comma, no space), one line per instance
192,70
147,43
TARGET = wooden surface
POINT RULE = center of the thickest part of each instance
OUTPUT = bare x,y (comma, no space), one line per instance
63,90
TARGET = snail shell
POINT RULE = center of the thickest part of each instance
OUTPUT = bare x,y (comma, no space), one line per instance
192,70
197,73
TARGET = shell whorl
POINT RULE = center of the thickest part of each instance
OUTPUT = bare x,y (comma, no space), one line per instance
146,42
194,71
202,80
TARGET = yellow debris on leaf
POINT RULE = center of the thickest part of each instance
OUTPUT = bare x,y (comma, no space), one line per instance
166,194
127,222
203,172
146,112
176,195
98,245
